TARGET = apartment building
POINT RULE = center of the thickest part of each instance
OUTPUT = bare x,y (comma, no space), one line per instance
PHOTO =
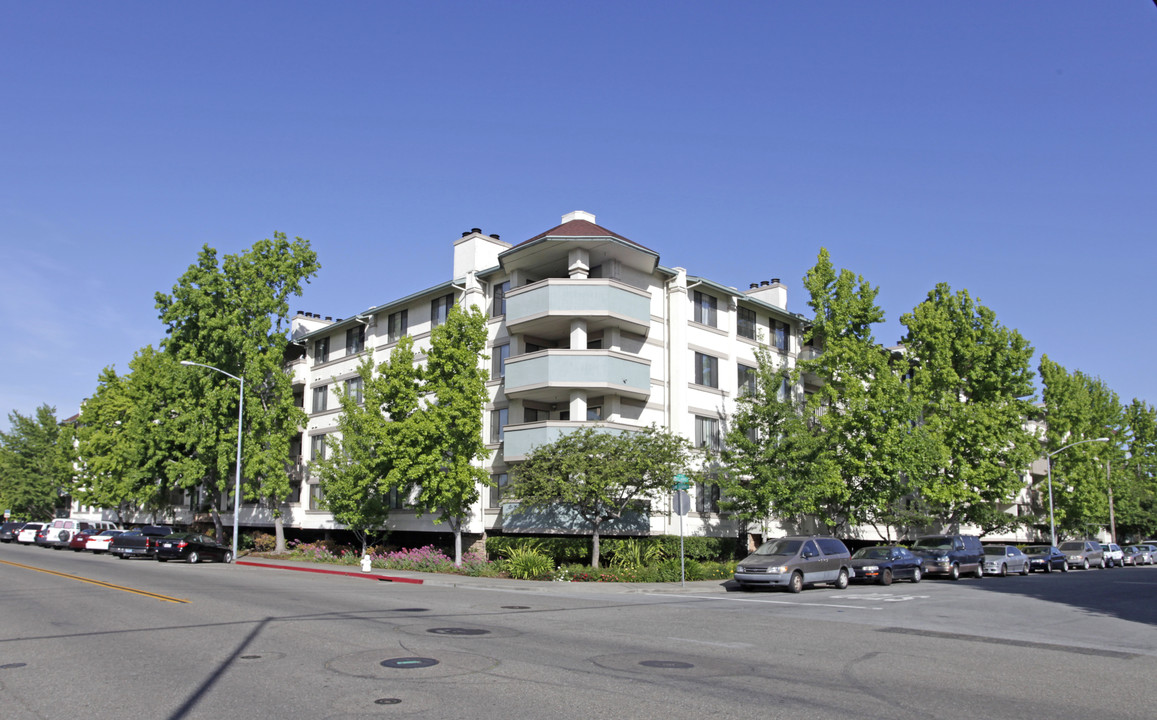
585,327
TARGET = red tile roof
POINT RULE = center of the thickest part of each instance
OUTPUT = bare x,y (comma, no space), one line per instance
581,228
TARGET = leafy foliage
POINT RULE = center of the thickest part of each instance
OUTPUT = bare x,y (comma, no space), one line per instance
35,468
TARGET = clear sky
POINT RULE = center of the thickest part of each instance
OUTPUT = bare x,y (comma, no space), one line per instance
1006,148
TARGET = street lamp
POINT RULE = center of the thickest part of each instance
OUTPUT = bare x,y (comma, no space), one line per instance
1049,460
240,411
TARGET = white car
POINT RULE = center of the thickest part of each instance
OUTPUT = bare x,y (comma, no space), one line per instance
99,543
1114,555
28,533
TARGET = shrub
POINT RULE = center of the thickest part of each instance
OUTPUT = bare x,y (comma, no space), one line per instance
262,542
528,565
633,553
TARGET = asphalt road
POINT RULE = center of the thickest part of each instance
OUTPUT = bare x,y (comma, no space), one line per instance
81,636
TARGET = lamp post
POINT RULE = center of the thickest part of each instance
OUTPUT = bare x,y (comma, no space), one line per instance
240,414
1049,460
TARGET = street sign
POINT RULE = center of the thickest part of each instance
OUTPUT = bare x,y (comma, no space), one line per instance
682,482
681,502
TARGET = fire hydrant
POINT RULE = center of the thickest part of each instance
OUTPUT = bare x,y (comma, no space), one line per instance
366,562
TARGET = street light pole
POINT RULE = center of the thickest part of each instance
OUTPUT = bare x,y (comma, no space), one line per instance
1049,461
240,415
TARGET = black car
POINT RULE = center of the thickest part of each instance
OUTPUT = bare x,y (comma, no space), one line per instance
9,530
884,563
1046,558
950,555
192,547
141,542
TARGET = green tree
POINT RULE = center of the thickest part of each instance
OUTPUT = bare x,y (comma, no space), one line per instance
1079,407
234,317
35,469
972,380
108,452
446,436
1135,483
600,475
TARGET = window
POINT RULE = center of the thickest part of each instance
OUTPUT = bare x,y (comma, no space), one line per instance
705,309
500,480
316,498
396,326
440,310
499,306
396,498
706,370
706,498
355,340
746,380
320,351
355,387
498,420
745,324
498,362
707,433
317,447
781,333
594,413
530,414
320,398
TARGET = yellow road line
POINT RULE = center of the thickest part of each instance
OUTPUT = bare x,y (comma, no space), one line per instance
147,594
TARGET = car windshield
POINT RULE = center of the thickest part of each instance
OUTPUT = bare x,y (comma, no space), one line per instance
933,543
1037,550
779,547
1072,546
872,553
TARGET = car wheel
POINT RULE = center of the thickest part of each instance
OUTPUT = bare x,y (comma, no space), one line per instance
917,575
979,570
886,577
796,583
1085,565
954,572
842,579
227,557
161,559
1025,570
1048,567
1065,566
193,558
1003,570
1102,563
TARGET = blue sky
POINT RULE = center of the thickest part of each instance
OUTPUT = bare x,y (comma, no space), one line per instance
1004,148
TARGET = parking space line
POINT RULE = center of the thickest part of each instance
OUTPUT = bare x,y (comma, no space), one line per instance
101,583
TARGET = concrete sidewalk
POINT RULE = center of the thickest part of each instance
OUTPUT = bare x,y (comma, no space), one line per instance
266,564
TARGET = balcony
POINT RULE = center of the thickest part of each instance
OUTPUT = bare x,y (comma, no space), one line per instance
550,375
519,440
545,308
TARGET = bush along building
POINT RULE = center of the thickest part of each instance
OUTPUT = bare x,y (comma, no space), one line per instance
585,328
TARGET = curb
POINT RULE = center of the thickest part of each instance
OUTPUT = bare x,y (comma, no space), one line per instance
367,576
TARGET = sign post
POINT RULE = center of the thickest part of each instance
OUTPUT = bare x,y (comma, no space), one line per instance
682,505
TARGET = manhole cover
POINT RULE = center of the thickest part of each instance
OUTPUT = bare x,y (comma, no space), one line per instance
387,701
458,631
12,666
409,662
515,607
668,664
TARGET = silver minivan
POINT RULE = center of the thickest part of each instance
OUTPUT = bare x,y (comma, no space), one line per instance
793,562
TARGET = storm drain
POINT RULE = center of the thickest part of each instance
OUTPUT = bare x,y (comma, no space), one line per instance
387,701
409,663
458,631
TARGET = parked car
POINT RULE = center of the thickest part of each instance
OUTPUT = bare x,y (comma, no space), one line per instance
1083,553
99,542
1003,559
27,534
1137,555
950,555
1046,558
61,531
192,548
80,539
140,542
9,531
1114,556
41,538
793,562
1152,550
884,563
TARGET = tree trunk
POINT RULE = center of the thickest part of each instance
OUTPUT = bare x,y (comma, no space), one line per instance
456,525
278,533
595,548
218,528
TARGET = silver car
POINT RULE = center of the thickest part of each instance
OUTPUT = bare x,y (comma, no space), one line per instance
1083,554
793,562
1003,559
1138,555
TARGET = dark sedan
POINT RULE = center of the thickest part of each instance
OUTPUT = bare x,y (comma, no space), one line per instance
1046,558
9,531
192,547
884,563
